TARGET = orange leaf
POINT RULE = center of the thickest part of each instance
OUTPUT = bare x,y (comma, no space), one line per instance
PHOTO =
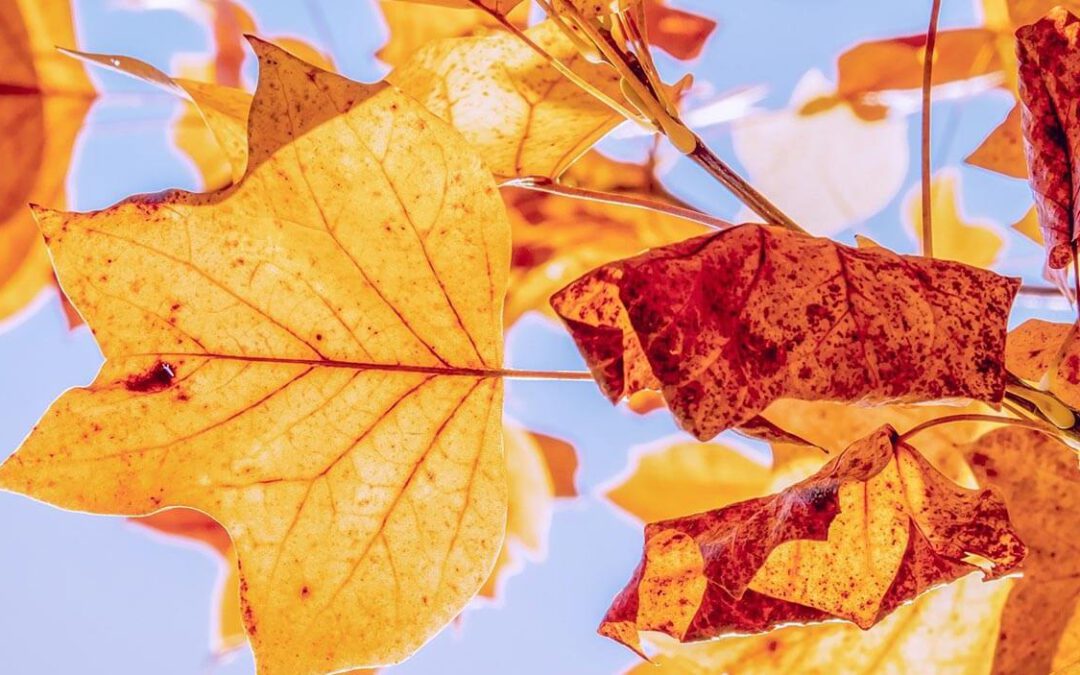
871,530
1049,84
332,403
727,323
44,97
1003,149
897,63
1040,481
956,236
679,33
413,25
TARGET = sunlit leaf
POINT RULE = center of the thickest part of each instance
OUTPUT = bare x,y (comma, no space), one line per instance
875,528
725,324
949,630
412,25
1049,83
827,168
1003,149
522,115
331,403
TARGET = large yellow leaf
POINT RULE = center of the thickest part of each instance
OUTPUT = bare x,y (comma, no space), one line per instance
43,99
311,358
522,115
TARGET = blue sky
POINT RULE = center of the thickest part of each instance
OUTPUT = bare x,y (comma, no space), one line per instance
85,594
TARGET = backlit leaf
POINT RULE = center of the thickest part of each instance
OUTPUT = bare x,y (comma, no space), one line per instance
531,481
871,530
946,631
1049,83
522,115
1040,481
44,97
1048,355
557,239
956,237
413,25
1003,149
727,323
679,33
331,402
827,168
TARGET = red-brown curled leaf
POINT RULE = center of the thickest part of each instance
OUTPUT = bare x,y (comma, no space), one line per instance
726,323
1049,56
874,528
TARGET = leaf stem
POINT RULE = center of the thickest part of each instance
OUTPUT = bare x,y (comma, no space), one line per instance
446,371
546,185
975,417
735,183
927,80
1043,291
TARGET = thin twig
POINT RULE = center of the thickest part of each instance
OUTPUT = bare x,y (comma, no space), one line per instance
928,75
543,184
1041,291
974,417
746,193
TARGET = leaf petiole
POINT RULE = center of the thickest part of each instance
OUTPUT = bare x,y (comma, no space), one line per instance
543,184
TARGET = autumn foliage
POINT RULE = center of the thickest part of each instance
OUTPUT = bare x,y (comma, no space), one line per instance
304,366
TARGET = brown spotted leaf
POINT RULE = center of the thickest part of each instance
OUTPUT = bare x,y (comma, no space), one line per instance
1049,56
310,357
727,323
1040,481
871,530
